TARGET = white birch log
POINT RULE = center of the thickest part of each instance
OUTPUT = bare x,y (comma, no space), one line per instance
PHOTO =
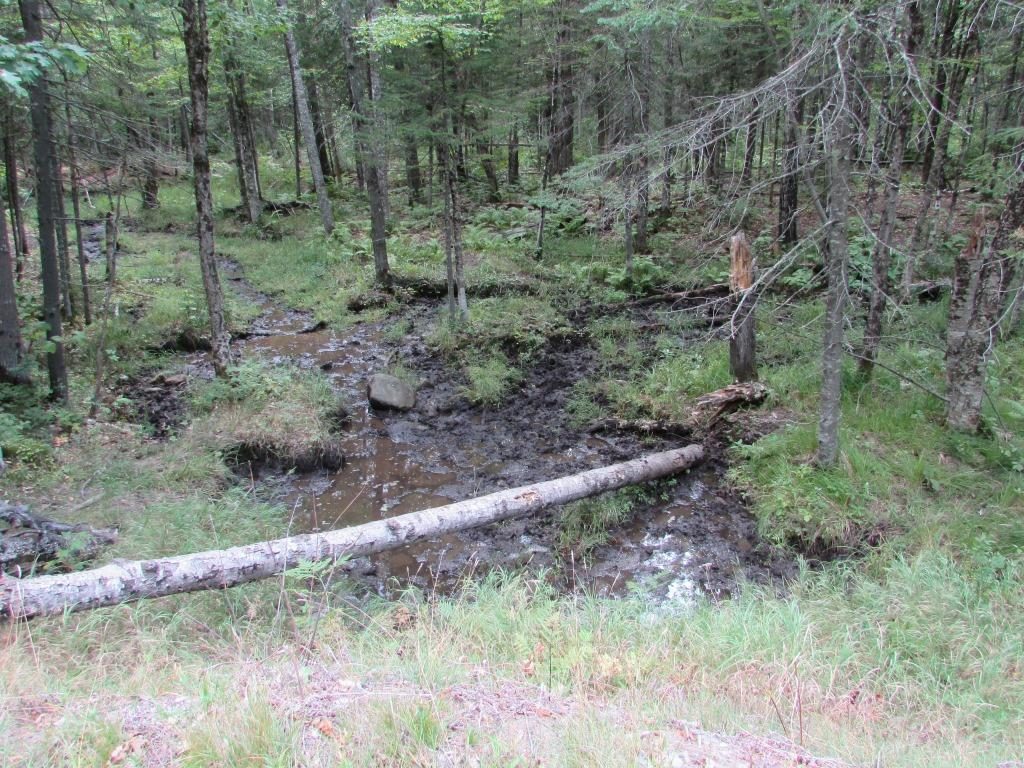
218,569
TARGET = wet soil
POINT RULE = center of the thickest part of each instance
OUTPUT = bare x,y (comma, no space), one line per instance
696,538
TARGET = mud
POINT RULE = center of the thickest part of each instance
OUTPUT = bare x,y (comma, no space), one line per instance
696,538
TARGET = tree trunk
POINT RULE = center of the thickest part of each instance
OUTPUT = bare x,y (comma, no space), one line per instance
367,154
151,184
245,151
936,94
669,154
318,129
61,221
378,142
981,279
742,343
296,139
937,156
513,155
110,247
219,569
560,107
413,174
197,49
306,124
836,258
76,204
21,250
900,112
46,173
789,187
490,172
184,133
10,324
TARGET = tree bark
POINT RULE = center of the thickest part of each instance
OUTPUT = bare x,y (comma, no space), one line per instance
316,114
513,155
219,569
76,204
10,324
367,134
46,173
197,49
937,152
789,185
413,173
982,277
151,184
836,258
21,250
560,107
306,125
900,111
742,343
245,150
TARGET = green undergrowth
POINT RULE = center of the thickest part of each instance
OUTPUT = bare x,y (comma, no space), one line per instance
262,411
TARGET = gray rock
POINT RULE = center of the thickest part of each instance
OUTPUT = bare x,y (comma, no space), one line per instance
387,391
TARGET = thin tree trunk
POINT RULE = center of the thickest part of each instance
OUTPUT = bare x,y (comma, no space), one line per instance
83,267
900,109
296,139
151,184
21,249
367,154
413,174
184,133
218,569
306,124
513,155
836,258
561,99
245,150
10,324
936,158
63,249
45,205
789,186
490,172
318,129
197,48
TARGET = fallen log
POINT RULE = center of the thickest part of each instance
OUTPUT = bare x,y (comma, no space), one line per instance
27,539
642,427
707,410
726,399
218,569
715,290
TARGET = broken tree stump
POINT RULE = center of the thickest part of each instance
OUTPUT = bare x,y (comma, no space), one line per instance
123,582
742,343
707,410
27,539
711,407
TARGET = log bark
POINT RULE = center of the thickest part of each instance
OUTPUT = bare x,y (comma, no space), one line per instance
218,569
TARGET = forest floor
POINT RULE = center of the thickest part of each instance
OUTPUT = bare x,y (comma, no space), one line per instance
665,625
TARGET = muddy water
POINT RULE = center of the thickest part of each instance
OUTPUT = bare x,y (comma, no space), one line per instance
696,538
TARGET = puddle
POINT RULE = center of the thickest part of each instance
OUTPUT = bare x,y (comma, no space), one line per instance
698,540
